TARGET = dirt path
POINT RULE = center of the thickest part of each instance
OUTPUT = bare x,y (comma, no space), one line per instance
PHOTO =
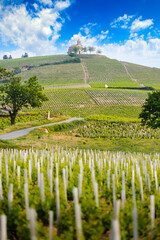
134,79
24,132
69,86
85,70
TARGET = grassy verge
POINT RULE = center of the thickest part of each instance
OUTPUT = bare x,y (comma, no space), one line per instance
39,138
28,124
68,135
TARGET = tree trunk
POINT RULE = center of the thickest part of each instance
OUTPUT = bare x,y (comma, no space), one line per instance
13,117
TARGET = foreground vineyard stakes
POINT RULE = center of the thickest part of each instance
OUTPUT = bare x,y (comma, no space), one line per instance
67,194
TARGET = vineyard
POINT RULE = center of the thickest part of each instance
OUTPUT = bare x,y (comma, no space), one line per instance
106,71
114,129
57,193
117,97
83,102
148,76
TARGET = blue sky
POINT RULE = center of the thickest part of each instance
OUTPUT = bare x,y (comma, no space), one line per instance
123,30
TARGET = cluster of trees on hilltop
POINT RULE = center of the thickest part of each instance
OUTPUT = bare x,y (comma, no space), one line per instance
7,57
91,49
10,56
85,49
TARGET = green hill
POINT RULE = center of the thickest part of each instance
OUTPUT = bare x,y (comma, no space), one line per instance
97,70
32,61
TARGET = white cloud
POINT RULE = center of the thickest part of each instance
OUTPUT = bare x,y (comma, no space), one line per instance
121,22
88,28
46,2
61,5
35,6
86,40
138,51
138,25
103,35
35,34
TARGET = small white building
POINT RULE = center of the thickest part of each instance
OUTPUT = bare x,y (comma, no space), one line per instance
79,45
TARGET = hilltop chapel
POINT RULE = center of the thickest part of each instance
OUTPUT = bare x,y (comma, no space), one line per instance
79,45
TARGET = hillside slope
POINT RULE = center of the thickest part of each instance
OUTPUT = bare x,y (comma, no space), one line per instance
100,71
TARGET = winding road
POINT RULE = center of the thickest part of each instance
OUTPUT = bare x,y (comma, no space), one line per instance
24,132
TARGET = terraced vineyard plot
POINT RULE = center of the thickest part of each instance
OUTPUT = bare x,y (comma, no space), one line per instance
117,97
63,74
150,77
66,98
106,71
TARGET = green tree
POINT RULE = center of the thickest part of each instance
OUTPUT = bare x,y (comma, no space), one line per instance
99,51
150,114
14,95
5,56
25,55
85,49
76,49
91,49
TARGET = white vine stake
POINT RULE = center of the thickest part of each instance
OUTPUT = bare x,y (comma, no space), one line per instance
26,199
32,218
57,203
18,175
50,224
96,193
152,201
1,188
25,176
50,181
64,183
42,187
10,196
3,228
135,224
141,188
113,186
108,179
77,215
115,233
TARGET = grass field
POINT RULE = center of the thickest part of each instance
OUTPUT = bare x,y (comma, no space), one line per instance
32,61
150,77
52,75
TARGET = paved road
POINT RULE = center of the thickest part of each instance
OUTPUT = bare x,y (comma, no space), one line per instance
24,132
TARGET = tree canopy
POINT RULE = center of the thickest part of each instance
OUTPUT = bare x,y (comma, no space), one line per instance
150,114
76,49
14,94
